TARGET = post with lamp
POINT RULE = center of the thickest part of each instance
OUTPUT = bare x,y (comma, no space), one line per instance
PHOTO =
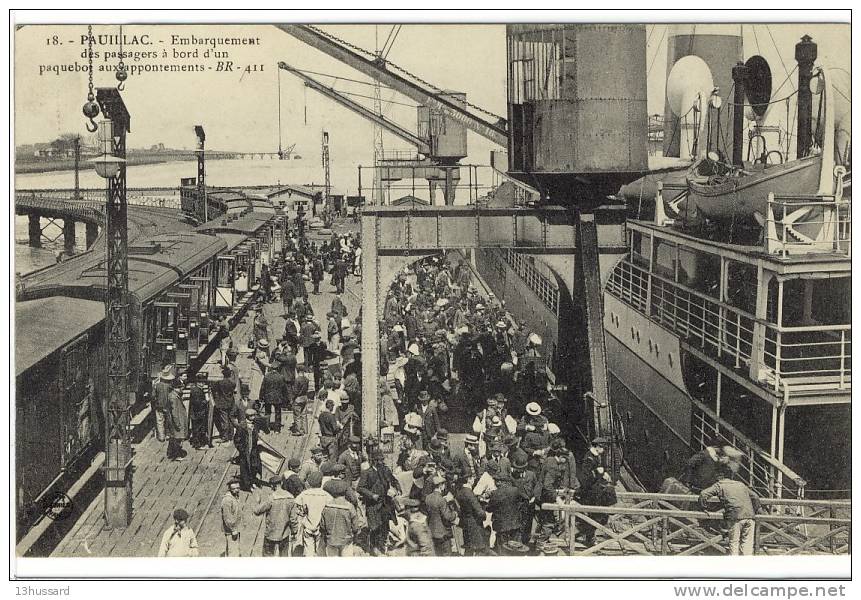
111,165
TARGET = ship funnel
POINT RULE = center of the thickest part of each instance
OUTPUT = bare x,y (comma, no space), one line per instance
757,88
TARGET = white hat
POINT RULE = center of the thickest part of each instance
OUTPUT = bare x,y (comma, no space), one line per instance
553,429
501,325
479,306
263,343
462,329
442,302
398,328
413,349
535,339
533,409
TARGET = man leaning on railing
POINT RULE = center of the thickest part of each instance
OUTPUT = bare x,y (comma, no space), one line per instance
740,505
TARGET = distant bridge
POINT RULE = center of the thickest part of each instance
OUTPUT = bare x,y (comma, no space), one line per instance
171,155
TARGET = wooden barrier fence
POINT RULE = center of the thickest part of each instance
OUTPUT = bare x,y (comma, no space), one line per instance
673,525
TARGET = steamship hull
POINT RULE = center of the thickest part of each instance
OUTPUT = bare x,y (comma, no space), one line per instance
663,393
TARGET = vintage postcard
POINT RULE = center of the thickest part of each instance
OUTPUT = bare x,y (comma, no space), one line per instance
569,291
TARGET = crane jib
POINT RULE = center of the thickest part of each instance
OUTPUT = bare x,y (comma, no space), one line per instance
408,88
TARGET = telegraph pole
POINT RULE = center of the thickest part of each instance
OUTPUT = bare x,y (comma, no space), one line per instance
118,455
327,182
201,171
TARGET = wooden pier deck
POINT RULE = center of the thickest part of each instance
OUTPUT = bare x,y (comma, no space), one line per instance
198,483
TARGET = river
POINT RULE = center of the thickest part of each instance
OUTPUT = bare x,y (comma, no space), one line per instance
225,173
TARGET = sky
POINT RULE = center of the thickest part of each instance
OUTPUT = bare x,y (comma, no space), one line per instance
239,111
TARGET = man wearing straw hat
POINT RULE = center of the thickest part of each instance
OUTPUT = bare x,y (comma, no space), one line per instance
160,397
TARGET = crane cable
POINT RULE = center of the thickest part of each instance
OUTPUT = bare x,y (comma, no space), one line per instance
280,151
395,67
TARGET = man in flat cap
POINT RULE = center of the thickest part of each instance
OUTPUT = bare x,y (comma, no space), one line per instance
340,522
282,518
441,517
419,539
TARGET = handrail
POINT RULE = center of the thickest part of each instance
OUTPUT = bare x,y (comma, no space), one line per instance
655,526
750,444
729,330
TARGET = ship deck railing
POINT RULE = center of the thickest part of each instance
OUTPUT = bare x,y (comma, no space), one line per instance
793,358
761,471
674,525
808,224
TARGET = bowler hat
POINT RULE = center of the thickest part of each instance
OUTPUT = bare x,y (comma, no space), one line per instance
410,503
293,464
558,446
442,435
316,450
275,480
435,445
518,462
354,439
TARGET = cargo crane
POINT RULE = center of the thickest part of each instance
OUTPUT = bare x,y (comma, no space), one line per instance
456,108
431,167
563,139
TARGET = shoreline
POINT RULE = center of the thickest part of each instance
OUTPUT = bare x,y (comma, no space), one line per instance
68,164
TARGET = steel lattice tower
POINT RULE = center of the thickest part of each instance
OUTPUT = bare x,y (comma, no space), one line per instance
118,454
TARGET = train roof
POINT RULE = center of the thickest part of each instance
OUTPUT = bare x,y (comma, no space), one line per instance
46,324
155,263
231,239
248,224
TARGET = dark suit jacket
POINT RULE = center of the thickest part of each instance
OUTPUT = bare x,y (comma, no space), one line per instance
440,516
377,481
472,517
505,505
